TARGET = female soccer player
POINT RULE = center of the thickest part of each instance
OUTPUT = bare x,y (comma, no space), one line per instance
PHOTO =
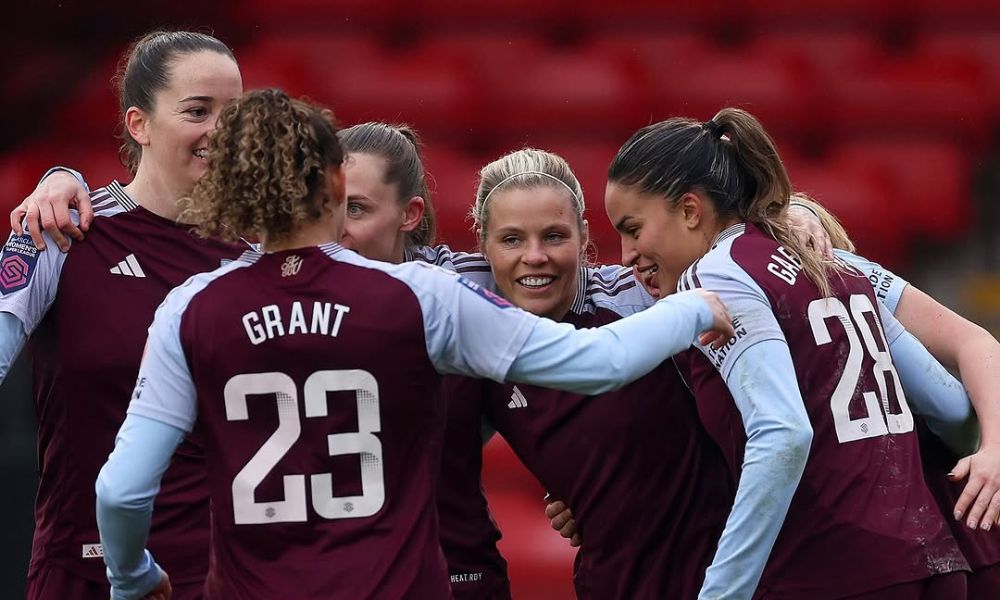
309,318
390,217
640,446
172,87
700,205
949,334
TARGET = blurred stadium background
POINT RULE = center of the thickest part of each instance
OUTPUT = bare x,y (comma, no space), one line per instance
887,111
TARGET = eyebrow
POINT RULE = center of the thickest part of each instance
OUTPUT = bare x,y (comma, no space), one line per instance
620,225
357,197
198,98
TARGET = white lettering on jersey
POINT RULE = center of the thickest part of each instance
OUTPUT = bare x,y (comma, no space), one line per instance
785,267
269,322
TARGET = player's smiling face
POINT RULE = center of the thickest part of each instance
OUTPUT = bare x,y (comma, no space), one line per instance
535,246
375,217
185,113
659,239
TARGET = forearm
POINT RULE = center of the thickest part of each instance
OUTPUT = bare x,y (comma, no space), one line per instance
126,487
979,368
778,440
594,361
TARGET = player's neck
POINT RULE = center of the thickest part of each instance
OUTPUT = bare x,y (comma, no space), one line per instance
155,194
318,232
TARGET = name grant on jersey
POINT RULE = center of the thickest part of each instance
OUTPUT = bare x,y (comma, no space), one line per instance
785,267
270,322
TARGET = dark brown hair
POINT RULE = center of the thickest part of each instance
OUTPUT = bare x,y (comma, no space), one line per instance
731,159
145,69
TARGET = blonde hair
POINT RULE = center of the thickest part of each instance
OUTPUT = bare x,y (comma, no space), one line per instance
838,235
268,162
731,159
524,169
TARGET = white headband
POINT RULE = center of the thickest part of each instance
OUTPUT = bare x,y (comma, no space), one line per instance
579,201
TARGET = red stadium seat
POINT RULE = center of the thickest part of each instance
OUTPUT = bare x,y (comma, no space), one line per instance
826,53
452,178
433,93
90,114
932,179
981,49
784,15
704,15
909,95
968,14
296,63
297,16
777,91
462,15
563,91
863,199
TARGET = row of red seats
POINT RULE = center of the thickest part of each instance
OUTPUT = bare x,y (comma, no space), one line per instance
484,90
820,86
888,192
437,15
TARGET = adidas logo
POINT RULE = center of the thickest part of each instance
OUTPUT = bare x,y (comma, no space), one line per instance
128,267
517,399
93,551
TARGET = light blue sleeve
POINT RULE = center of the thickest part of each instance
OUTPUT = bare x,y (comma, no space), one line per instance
887,285
126,487
763,384
470,330
936,395
12,339
595,361
72,172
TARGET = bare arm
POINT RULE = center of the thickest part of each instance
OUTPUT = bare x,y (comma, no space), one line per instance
966,347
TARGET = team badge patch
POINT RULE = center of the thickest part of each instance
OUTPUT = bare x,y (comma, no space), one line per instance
17,263
485,293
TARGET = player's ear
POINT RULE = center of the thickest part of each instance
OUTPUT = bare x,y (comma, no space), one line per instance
336,185
691,208
413,213
137,125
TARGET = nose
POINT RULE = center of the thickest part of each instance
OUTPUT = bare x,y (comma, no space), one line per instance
534,254
630,256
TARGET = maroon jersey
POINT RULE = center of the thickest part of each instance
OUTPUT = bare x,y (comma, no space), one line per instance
862,517
339,503
981,548
86,350
469,535
647,487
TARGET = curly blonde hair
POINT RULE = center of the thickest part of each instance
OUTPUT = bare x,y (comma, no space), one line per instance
267,168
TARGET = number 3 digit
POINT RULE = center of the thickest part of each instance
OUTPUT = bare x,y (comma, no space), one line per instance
246,510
